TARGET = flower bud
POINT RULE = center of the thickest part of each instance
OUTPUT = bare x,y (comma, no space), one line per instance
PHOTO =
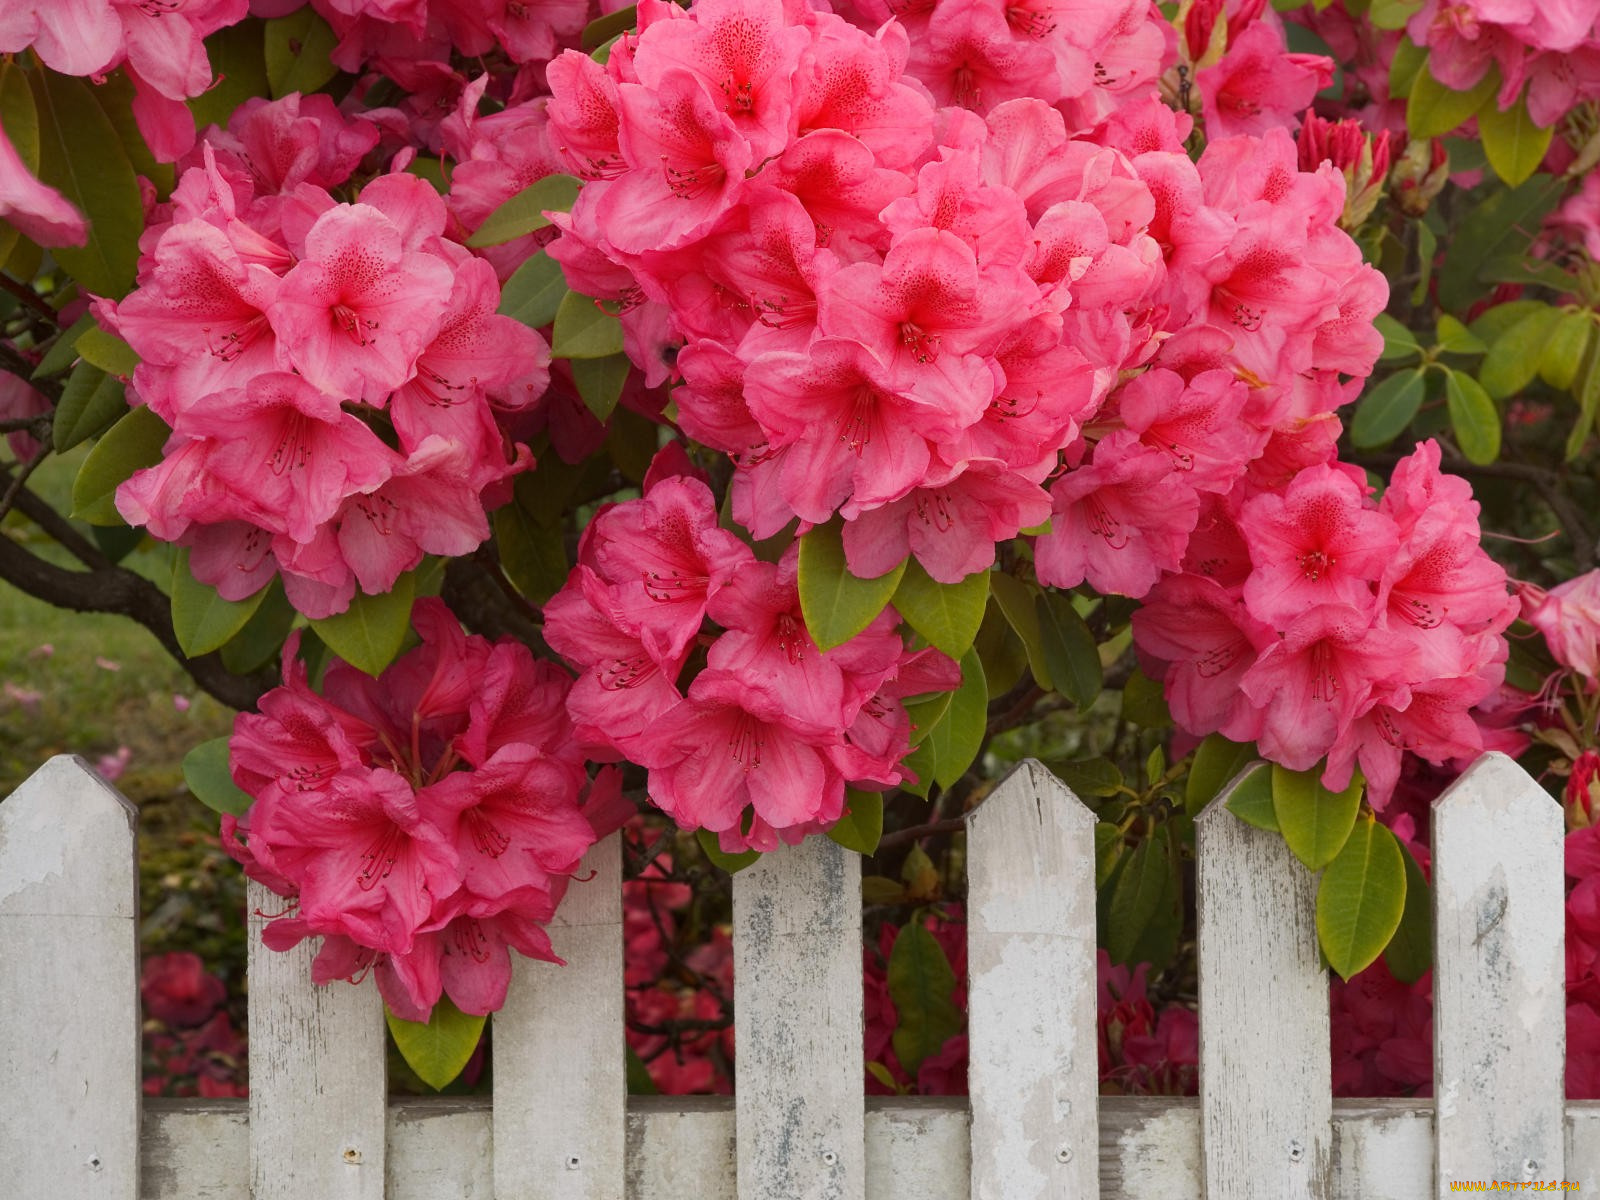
1362,160
1420,175
1582,790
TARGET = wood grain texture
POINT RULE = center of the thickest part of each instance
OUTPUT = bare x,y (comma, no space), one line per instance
798,1046
560,1080
317,1075
69,991
1499,977
1265,1069
1031,993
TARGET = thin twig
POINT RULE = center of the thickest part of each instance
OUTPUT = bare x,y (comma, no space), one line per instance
900,836
31,299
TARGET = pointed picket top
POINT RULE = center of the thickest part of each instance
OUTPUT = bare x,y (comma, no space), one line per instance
565,1023
318,1084
1266,1104
69,987
798,1044
1031,993
1499,980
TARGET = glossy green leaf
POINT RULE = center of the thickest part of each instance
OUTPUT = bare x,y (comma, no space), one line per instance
584,330
1518,268
528,536
82,157
261,638
132,443
1473,416
1392,14
1514,357
1514,144
1315,822
1493,322
1588,389
922,987
861,826
1383,413
107,351
835,604
368,634
63,350
205,770
524,212
731,863
1137,893
1433,110
202,620
1005,660
1097,776
1361,898
1216,762
1563,353
600,382
1408,62
239,69
602,29
534,292
927,713
298,50
1505,223
1398,341
1016,604
947,614
1251,799
115,97
1068,649
90,403
1456,337
956,739
1410,952
439,1050
1144,702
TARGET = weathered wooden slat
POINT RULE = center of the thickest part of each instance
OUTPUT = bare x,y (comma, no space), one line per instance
566,1141
1265,1067
1031,991
798,1045
317,1076
69,988
1499,977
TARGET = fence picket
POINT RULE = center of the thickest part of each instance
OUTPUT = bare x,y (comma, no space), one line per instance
1031,991
69,992
560,1084
1266,1099
317,1075
798,1096
1499,980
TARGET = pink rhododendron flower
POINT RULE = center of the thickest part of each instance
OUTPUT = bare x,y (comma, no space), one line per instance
1568,616
40,212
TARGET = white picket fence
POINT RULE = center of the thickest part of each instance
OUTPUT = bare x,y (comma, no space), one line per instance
317,1125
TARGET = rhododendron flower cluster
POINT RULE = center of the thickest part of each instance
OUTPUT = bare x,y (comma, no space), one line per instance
765,737
422,823
331,372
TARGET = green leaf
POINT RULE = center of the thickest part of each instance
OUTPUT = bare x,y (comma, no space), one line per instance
1108,847
1016,605
1398,341
368,634
1385,411
925,714
1588,401
1505,223
835,604
1251,799
1097,776
584,330
1216,762
1427,251
1392,14
1361,898
19,116
1563,353
91,401
1495,321
107,351
731,863
602,29
205,770
922,987
1004,658
1514,144
1473,416
1433,110
1068,648
639,1081
261,637
524,212
239,67
1407,64
1315,821
202,620
600,382
956,739
534,292
132,443
115,97
82,157
947,614
1144,702
1410,952
439,1050
1137,894
63,350
528,535
298,51
1514,357
1517,268
861,826
1456,337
